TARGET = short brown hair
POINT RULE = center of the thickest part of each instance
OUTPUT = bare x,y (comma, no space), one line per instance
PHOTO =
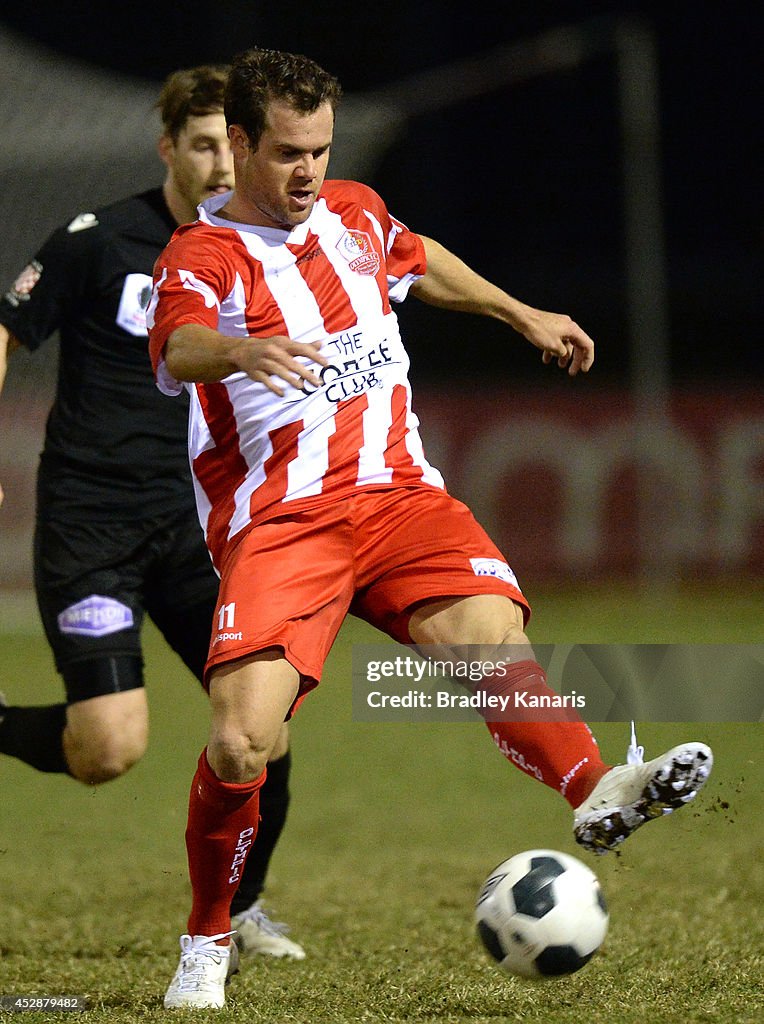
259,76
191,92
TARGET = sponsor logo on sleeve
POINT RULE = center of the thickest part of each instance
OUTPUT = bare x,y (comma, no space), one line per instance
133,303
494,567
95,616
22,287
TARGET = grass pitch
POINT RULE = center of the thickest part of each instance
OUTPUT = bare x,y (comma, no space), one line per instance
392,830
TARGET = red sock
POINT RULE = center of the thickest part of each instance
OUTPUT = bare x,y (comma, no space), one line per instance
222,825
559,751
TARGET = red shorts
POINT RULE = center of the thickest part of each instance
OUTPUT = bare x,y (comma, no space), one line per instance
290,582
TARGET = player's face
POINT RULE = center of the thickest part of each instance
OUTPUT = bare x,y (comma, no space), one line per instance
199,163
277,183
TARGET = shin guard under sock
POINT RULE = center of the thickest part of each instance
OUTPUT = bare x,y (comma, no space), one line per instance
558,748
222,824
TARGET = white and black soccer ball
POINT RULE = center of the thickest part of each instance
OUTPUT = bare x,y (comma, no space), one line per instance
541,914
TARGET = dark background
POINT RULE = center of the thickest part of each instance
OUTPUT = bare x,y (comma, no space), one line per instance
524,183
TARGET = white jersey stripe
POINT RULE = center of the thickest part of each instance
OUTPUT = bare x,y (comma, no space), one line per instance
377,229
233,321
377,420
284,281
306,473
430,475
199,440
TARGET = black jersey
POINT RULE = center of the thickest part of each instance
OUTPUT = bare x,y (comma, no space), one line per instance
113,444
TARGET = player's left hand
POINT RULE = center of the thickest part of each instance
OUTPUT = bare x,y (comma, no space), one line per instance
560,339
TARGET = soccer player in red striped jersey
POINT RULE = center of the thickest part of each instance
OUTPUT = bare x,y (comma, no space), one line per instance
274,310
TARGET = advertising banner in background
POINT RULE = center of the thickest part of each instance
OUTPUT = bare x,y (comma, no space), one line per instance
570,484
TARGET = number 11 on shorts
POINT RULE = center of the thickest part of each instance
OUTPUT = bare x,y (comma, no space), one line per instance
226,615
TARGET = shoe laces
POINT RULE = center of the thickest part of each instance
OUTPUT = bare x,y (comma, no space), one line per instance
635,754
194,956
258,916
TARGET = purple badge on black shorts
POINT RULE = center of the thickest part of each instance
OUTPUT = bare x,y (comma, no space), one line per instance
95,616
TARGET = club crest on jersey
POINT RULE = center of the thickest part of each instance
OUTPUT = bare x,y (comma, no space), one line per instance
24,283
356,248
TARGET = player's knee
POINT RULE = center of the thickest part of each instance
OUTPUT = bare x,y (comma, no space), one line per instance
106,736
102,758
237,756
105,763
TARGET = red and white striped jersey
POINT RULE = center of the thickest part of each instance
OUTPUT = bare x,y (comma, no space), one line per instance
255,454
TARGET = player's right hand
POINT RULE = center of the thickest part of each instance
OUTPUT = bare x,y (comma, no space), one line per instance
269,360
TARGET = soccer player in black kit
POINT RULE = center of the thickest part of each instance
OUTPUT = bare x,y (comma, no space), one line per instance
117,533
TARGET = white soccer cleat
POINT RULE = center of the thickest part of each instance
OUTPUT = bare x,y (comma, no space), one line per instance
257,934
202,974
631,794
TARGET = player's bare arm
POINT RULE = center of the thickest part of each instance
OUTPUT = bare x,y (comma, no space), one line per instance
197,353
8,343
451,284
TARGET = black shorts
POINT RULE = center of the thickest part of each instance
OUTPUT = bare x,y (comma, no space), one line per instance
96,579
